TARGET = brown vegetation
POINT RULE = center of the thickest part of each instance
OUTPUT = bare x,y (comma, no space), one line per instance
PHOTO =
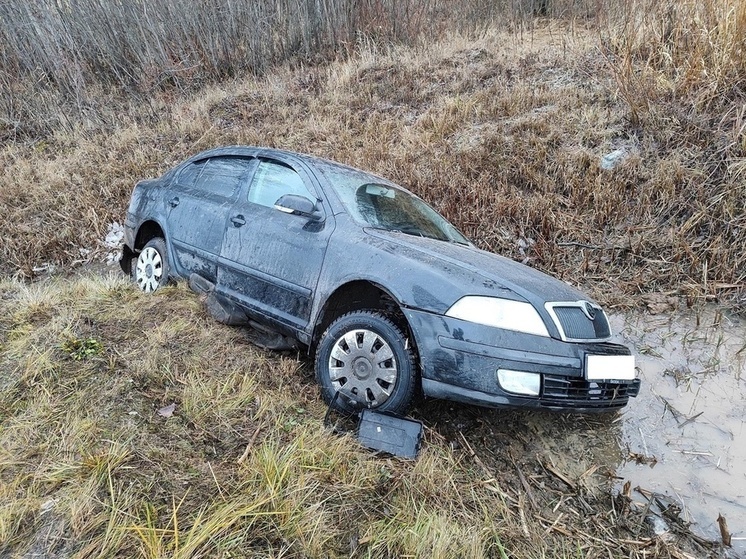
501,121
504,133
170,435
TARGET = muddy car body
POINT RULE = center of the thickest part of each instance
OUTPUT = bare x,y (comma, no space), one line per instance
389,297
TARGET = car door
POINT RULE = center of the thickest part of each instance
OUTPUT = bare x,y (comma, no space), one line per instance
205,191
271,260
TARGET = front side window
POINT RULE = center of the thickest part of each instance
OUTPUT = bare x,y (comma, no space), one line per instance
274,180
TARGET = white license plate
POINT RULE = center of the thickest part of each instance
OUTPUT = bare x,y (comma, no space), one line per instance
610,367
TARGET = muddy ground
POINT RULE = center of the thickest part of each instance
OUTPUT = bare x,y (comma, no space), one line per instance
684,437
676,455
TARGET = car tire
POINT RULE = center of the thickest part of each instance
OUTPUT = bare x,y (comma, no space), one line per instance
151,269
366,358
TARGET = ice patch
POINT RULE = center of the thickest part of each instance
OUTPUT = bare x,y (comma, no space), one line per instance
114,240
611,160
115,236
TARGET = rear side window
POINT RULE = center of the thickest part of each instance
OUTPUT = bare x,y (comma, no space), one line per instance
218,175
274,180
189,174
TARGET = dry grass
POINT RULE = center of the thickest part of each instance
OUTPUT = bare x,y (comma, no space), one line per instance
505,134
60,61
68,51
244,467
693,51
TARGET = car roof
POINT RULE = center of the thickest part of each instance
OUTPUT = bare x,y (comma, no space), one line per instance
252,151
255,151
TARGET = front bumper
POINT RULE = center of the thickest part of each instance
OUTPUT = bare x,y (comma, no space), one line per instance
459,361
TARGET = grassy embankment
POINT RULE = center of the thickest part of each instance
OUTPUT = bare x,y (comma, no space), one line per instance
244,467
504,134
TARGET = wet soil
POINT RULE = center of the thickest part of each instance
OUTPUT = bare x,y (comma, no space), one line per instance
676,454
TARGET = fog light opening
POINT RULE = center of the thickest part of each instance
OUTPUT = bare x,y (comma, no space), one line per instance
519,382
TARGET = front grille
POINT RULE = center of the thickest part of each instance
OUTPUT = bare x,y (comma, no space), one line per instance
577,392
573,322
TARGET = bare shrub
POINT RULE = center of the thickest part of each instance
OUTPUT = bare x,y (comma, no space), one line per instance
137,47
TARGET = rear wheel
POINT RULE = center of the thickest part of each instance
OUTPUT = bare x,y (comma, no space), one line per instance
151,269
367,359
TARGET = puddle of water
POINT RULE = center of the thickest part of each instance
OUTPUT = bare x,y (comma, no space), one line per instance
682,439
687,426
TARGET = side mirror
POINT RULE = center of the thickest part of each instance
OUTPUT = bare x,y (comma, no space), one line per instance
298,205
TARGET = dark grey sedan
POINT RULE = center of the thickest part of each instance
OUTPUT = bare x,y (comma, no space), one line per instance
386,294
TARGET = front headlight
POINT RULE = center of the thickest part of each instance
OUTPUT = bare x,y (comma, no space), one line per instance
500,313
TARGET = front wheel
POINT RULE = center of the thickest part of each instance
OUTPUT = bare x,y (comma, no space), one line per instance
367,359
151,269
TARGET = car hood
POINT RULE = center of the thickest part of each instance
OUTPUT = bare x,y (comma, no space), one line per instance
479,272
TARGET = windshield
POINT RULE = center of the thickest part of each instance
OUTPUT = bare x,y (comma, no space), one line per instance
372,202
